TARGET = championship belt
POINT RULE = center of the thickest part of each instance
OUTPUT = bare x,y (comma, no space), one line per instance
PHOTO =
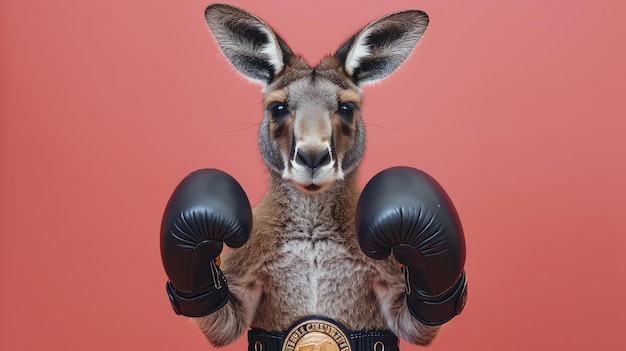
321,334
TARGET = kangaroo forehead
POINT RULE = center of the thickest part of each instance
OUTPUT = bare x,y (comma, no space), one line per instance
327,71
313,90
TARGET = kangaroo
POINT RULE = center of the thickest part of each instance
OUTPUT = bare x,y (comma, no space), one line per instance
302,258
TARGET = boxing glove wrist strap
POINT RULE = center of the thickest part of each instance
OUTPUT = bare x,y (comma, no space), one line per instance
440,309
199,305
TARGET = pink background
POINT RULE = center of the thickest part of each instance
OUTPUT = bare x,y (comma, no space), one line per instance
516,107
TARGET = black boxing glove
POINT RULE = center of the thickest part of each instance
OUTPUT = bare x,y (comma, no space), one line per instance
406,211
207,209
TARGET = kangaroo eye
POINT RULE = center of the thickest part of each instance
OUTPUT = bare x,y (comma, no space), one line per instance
278,109
346,109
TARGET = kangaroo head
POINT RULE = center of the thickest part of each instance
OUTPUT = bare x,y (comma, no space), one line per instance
312,133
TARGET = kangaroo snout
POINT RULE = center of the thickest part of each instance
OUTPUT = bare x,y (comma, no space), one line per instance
313,160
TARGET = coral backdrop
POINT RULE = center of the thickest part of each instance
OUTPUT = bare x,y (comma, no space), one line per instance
516,107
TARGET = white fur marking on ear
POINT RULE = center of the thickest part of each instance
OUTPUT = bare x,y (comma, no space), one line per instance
357,52
272,50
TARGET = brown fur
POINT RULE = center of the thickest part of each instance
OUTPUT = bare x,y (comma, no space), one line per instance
302,258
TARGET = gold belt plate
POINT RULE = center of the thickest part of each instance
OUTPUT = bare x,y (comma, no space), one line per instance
316,335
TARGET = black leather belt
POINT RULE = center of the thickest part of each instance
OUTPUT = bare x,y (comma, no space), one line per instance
321,334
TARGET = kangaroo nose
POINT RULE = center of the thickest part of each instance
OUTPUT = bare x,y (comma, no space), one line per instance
312,160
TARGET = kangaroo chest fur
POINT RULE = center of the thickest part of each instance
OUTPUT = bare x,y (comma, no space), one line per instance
304,254
311,276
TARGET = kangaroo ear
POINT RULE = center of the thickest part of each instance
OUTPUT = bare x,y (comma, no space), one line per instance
382,46
248,43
